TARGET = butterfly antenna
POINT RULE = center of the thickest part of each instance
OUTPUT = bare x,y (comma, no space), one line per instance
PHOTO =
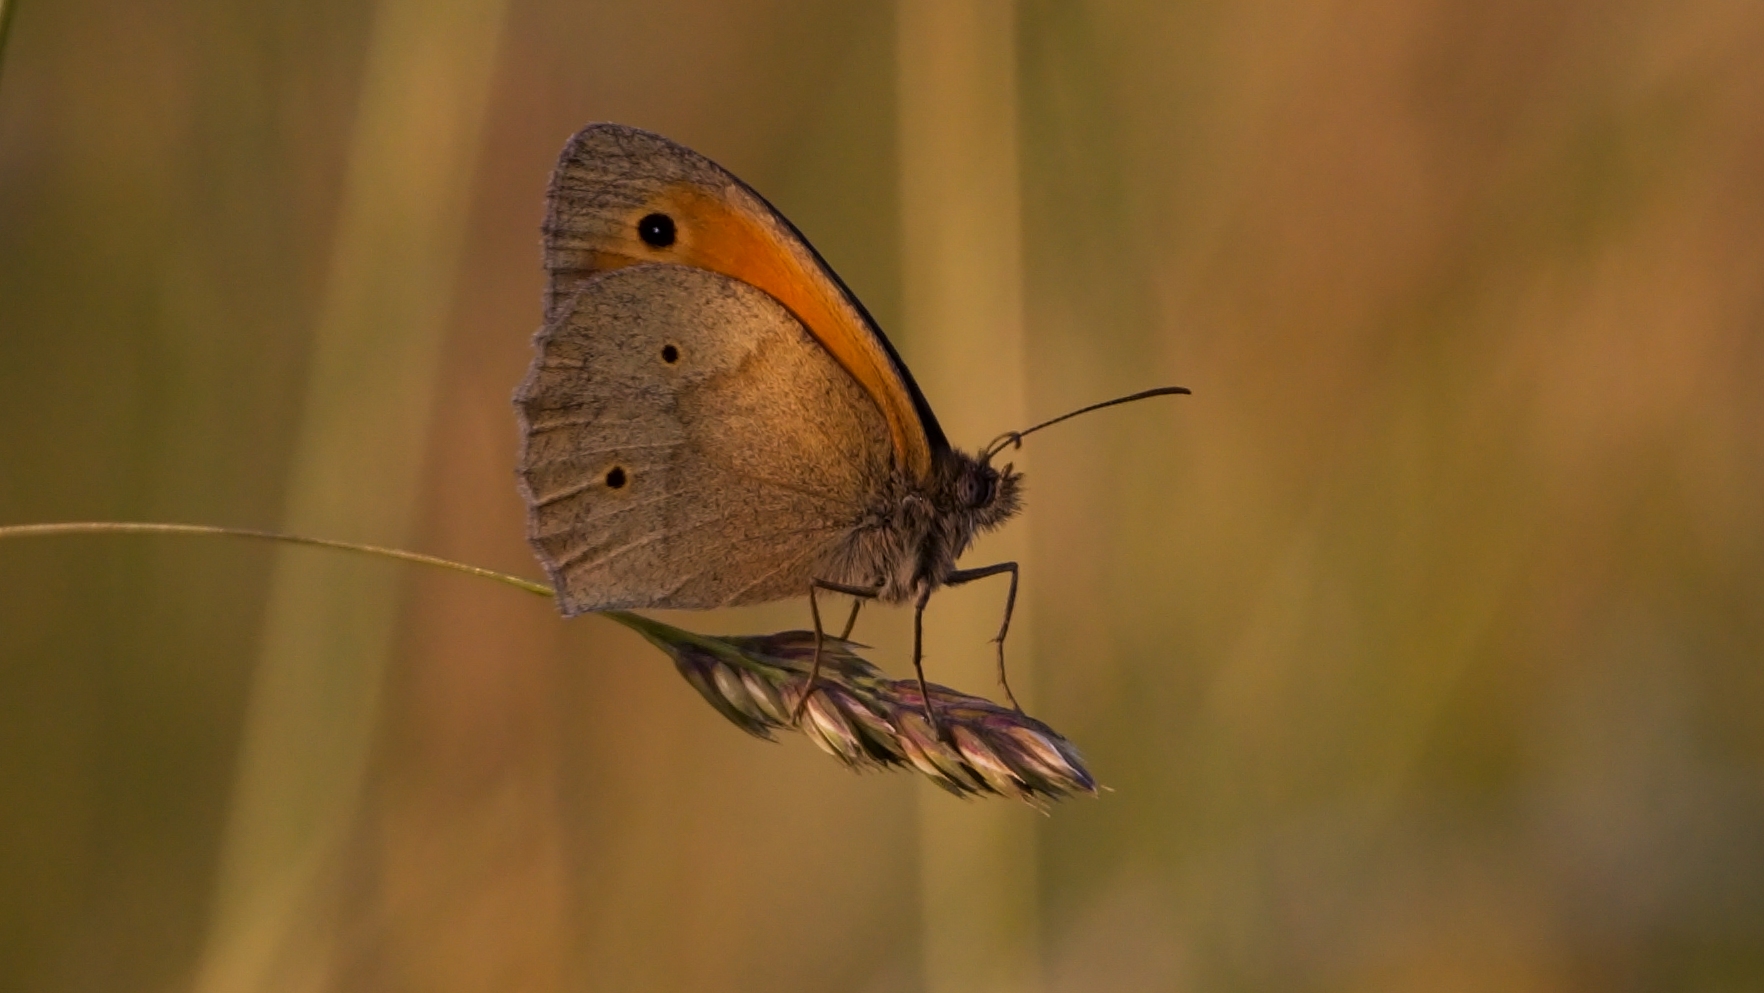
1015,438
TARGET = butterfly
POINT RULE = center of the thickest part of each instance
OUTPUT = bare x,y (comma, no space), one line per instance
712,418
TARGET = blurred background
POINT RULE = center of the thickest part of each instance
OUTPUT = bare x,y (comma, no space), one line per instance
1420,648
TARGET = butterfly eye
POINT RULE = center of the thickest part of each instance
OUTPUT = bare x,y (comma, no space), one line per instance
976,489
656,230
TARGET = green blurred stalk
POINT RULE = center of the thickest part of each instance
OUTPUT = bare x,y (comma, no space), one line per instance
6,9
962,296
329,629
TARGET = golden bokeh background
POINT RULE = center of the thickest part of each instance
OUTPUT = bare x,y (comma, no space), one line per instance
1422,648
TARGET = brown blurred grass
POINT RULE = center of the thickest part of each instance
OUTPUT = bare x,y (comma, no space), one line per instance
1420,649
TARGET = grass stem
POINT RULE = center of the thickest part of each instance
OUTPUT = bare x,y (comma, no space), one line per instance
853,711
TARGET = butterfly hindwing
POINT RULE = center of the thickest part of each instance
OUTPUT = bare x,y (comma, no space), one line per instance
688,444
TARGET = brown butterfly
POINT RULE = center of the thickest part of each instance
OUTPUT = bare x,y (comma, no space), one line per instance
713,419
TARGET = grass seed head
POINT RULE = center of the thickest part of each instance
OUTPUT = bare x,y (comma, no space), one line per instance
867,721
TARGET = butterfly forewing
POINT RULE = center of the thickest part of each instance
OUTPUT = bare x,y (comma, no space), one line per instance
612,179
686,443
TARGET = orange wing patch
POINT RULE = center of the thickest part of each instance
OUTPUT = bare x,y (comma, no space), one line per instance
713,234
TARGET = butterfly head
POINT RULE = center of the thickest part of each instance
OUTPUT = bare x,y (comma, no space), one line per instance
984,495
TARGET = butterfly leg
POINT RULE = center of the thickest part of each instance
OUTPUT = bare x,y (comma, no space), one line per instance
857,604
961,576
861,593
919,659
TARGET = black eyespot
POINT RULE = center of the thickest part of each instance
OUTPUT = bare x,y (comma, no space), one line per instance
656,230
670,354
615,477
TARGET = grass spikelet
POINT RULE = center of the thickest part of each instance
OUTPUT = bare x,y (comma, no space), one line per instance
866,720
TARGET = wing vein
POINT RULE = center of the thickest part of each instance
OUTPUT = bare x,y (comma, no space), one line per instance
574,559
811,550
